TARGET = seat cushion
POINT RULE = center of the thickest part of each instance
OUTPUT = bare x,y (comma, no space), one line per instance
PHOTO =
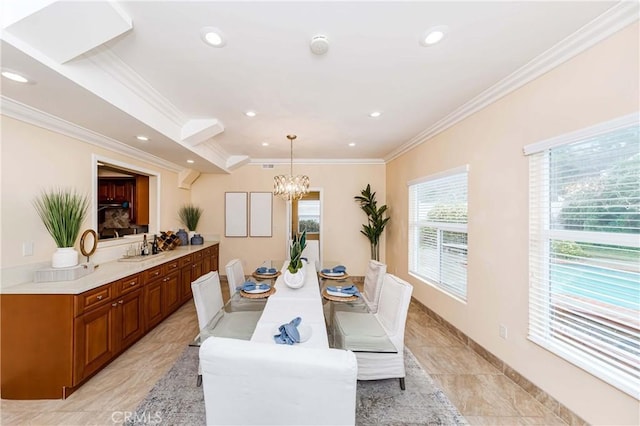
359,330
237,325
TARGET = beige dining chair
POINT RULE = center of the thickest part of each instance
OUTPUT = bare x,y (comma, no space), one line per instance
355,329
207,297
253,383
373,284
235,275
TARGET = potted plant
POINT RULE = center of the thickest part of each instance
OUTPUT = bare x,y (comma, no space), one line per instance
62,212
294,275
375,219
190,216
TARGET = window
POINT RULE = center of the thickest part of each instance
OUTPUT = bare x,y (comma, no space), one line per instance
584,302
438,230
309,216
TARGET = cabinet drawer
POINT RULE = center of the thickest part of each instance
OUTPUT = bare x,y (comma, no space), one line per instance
93,298
169,267
128,284
186,260
197,255
206,252
152,273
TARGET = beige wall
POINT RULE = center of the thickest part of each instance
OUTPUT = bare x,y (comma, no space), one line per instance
342,217
35,159
598,85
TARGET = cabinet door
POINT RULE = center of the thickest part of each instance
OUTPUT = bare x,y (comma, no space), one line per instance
214,257
171,293
104,191
206,264
185,286
153,303
94,341
129,319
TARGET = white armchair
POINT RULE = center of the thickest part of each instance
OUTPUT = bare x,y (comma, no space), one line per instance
235,275
373,284
354,329
253,383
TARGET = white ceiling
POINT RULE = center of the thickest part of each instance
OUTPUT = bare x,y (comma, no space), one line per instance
159,79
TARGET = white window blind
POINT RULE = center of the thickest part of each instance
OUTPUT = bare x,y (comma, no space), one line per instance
584,302
438,231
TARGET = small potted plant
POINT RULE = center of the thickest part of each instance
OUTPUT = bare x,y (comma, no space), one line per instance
294,275
190,216
62,212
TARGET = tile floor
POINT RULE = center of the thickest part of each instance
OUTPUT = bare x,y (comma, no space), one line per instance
482,393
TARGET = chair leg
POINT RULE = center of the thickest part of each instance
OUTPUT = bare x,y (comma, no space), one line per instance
199,381
402,383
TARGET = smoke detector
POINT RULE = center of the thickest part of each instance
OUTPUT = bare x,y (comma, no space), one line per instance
319,44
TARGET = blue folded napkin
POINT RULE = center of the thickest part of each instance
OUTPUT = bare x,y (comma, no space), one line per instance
289,333
340,269
265,270
249,286
352,289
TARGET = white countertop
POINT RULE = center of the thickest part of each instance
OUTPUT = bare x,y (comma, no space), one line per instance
104,274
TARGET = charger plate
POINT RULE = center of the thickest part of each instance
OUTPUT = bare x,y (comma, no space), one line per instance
334,277
338,298
266,276
257,295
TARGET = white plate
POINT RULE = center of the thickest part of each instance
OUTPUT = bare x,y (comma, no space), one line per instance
305,331
257,290
338,294
333,274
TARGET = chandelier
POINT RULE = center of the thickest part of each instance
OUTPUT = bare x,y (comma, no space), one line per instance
290,187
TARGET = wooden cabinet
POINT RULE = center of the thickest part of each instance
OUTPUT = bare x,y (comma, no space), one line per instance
52,343
140,205
116,190
110,320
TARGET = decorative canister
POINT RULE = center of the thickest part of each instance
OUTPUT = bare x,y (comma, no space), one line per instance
184,237
197,240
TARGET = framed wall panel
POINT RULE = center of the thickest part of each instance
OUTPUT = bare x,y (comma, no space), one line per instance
260,214
235,214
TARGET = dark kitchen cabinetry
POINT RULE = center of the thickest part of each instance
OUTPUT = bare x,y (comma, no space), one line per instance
116,190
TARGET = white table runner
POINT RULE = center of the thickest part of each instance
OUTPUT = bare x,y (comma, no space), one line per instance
288,303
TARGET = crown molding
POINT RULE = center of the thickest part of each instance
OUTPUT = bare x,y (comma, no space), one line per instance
337,161
111,63
610,22
30,115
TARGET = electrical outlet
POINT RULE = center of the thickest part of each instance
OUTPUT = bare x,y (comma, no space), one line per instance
503,331
27,248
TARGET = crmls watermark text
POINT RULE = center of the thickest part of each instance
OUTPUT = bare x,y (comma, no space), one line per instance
144,417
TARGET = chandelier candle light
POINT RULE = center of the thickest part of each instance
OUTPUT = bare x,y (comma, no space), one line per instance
290,187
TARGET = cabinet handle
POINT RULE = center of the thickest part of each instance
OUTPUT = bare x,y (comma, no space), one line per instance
156,273
121,301
99,297
132,283
114,304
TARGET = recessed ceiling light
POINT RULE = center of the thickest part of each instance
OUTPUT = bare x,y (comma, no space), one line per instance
265,143
14,76
190,161
142,138
213,36
375,114
433,35
352,144
250,113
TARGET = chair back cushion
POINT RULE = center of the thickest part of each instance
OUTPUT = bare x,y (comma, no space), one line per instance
207,297
393,307
312,252
235,275
373,283
248,383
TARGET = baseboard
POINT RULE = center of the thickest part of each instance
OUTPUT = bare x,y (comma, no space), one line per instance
540,395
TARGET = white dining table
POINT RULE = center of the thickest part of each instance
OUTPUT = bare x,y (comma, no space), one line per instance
288,303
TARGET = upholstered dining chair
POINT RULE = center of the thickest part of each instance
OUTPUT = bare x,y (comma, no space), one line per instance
207,297
252,383
355,329
373,284
235,275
